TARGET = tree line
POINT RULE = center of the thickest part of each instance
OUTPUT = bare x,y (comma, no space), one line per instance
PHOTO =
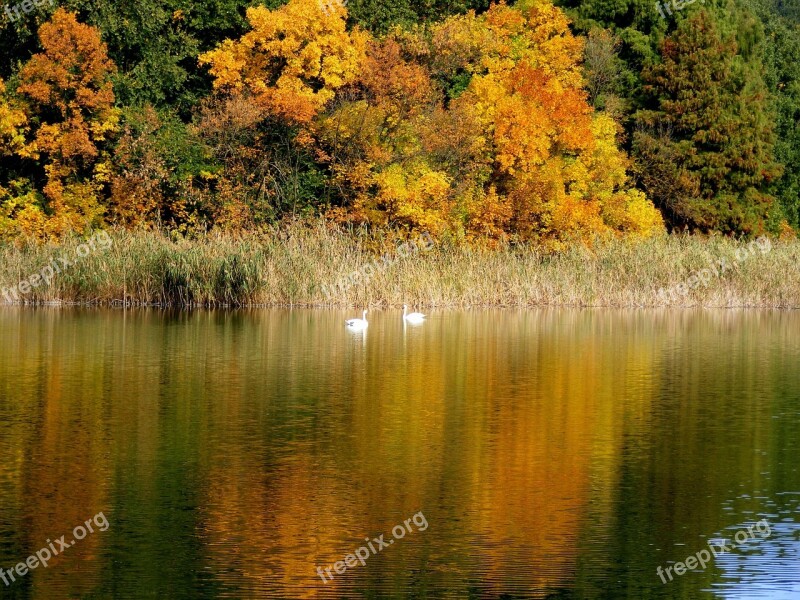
465,120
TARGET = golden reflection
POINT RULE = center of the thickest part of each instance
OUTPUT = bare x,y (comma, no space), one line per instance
513,431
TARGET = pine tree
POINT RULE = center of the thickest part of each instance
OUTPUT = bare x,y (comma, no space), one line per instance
706,146
782,74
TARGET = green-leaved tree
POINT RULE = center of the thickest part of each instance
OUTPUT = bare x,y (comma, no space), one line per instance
706,145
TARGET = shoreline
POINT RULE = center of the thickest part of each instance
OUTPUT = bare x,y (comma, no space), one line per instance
380,307
314,265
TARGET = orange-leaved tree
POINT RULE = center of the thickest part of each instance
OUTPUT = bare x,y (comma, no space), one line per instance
68,97
556,171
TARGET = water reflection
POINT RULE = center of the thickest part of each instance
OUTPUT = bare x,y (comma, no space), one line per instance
553,453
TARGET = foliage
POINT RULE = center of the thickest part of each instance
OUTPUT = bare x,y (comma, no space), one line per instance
270,85
155,44
782,76
516,152
472,122
380,16
160,161
641,28
154,47
262,174
719,150
67,94
603,70
293,59
13,125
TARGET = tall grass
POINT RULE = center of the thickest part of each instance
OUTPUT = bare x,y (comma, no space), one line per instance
290,266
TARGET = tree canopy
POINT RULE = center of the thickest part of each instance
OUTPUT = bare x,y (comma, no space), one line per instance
530,121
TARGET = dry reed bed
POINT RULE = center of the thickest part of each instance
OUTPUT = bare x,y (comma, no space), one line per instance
290,267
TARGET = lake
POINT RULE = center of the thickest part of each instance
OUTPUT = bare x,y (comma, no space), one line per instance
500,454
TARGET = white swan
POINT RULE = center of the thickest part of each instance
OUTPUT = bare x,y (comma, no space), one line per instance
414,317
358,323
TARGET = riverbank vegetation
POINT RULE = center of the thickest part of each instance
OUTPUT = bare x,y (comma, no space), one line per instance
301,264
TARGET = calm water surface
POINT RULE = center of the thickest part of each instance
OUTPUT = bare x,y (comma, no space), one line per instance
550,454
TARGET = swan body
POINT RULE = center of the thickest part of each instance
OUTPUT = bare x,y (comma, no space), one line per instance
358,323
413,317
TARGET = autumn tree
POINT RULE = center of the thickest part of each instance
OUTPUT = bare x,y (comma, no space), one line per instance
16,196
270,84
292,60
68,97
162,169
13,125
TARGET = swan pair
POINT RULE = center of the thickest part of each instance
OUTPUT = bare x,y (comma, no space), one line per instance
362,323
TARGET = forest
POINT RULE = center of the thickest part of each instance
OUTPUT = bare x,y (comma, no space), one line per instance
473,122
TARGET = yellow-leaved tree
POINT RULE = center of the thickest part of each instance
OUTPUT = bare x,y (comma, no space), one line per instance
269,86
556,172
292,60
16,214
479,127
14,126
